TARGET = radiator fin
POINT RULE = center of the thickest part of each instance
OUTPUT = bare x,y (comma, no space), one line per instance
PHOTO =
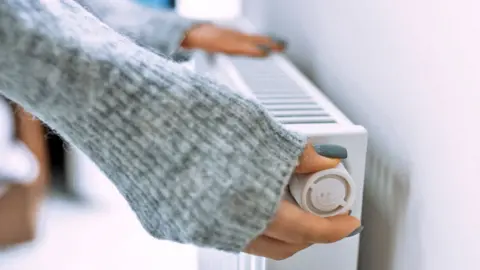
286,101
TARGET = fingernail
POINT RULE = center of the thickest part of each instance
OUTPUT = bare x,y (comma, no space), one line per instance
279,41
349,212
331,151
264,48
357,231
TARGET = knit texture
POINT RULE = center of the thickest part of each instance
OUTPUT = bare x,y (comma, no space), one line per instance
159,30
197,163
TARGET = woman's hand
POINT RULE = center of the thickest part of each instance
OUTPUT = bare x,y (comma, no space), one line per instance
215,39
294,229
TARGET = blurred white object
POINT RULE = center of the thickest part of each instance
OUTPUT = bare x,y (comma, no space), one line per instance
6,123
209,9
17,163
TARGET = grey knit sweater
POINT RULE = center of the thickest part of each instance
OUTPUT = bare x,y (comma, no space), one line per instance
158,30
197,163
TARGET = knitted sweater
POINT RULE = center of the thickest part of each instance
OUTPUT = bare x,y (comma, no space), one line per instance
197,163
158,30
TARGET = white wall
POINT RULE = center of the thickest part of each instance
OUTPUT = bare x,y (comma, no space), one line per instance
209,9
409,72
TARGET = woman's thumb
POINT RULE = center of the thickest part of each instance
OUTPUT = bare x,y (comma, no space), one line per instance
320,157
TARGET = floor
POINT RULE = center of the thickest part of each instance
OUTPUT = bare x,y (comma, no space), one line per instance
98,233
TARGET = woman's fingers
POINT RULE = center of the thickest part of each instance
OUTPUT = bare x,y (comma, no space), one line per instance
216,39
251,45
248,49
293,225
265,246
293,229
310,161
275,44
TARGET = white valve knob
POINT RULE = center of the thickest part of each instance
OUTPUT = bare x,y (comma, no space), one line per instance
325,193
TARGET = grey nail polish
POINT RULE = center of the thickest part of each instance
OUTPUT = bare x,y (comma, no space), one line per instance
331,151
266,49
357,231
349,212
279,41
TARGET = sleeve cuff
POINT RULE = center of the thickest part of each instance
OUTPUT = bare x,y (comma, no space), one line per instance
176,52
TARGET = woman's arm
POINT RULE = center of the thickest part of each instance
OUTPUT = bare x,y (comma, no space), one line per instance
196,163
160,30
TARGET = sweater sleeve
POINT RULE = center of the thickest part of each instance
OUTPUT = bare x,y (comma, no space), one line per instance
196,163
160,30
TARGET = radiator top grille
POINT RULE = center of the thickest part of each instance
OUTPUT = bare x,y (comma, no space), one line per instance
286,101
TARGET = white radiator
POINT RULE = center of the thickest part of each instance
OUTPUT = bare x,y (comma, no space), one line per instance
300,106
